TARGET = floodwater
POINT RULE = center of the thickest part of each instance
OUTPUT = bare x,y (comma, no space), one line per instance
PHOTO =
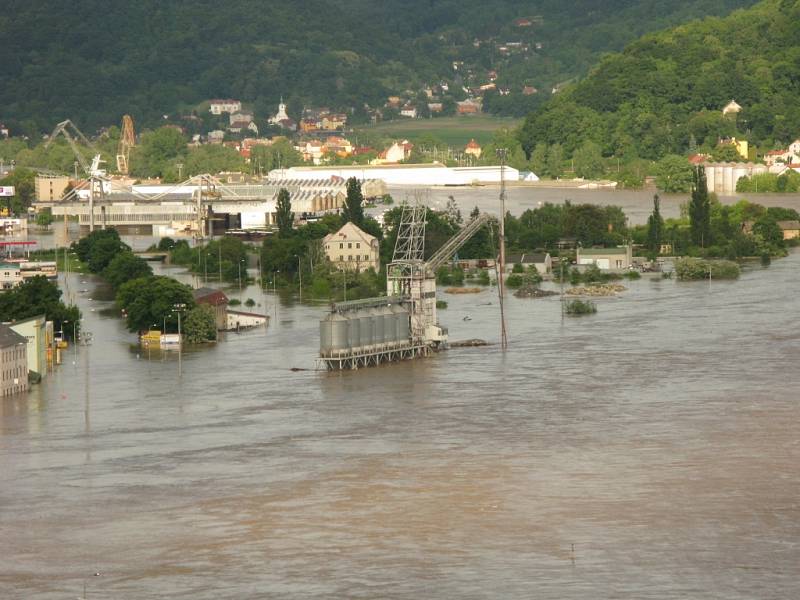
648,451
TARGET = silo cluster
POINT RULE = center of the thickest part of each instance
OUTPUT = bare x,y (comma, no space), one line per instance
356,330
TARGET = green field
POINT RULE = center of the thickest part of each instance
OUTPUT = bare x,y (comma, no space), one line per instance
454,131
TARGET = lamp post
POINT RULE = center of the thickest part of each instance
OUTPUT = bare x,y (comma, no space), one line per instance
178,308
300,274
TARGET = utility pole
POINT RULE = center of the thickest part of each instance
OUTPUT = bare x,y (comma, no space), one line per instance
219,258
502,153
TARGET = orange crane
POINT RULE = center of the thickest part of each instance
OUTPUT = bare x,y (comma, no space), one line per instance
126,141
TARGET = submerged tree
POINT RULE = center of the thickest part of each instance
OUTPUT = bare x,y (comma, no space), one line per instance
283,213
655,226
700,209
353,210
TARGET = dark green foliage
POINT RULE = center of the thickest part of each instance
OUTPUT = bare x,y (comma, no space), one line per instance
665,92
284,215
148,300
700,209
38,296
124,267
696,268
353,210
199,325
655,227
99,248
166,243
450,276
579,307
23,182
673,174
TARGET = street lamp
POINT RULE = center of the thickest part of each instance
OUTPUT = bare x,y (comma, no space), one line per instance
300,274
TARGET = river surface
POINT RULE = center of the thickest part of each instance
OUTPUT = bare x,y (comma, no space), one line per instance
648,451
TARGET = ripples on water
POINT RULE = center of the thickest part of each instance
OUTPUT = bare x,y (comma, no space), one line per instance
659,439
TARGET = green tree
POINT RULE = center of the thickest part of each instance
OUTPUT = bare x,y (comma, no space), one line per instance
44,219
283,213
655,227
673,174
23,182
589,161
125,266
700,209
555,161
767,228
539,159
199,325
103,251
157,151
147,301
353,210
38,296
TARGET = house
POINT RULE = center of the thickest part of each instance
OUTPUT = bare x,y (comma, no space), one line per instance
4,131
468,107
13,226
13,361
217,300
38,332
794,151
774,157
473,148
351,248
309,124
607,259
790,229
393,102
699,159
333,121
742,146
732,108
243,126
238,320
216,136
10,276
240,117
542,262
219,106
397,152
435,107
409,111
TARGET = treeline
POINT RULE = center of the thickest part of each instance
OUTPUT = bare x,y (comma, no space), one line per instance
147,301
151,58
39,296
664,93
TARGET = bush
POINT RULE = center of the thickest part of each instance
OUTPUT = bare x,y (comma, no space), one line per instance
234,302
580,307
250,302
441,304
689,269
518,268
632,275
514,281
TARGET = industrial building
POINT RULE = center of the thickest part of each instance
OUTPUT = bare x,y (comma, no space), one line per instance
721,178
418,175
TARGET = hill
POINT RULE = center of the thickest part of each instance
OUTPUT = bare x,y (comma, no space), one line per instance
665,92
93,61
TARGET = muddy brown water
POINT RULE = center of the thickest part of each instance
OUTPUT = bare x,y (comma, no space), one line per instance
648,451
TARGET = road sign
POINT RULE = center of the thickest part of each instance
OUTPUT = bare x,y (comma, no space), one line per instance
7,190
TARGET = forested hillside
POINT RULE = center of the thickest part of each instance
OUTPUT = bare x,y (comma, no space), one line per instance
93,61
665,92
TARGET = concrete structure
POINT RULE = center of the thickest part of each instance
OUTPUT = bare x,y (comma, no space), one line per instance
413,174
49,188
542,262
607,259
790,229
10,276
217,300
219,106
34,330
721,178
238,320
352,249
13,362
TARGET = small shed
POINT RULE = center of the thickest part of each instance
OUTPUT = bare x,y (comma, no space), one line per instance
542,262
607,259
217,300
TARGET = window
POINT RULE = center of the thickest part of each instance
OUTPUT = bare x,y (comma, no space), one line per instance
349,257
619,264
358,244
341,246
366,257
349,245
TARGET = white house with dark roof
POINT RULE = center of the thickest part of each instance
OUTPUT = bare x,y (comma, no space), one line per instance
607,259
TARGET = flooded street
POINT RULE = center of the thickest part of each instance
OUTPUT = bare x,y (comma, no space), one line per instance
649,451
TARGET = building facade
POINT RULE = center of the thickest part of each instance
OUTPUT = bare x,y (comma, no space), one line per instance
607,259
34,330
352,249
218,301
217,107
50,188
10,276
13,362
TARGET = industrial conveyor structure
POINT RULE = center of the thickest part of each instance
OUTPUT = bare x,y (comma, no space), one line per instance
404,323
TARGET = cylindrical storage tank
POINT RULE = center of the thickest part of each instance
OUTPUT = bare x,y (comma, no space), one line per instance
377,326
402,323
325,335
339,333
367,324
389,333
353,331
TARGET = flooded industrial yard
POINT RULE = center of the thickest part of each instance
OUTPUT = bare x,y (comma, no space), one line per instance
649,451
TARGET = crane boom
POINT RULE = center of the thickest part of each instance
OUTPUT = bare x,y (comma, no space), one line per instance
127,141
451,246
63,128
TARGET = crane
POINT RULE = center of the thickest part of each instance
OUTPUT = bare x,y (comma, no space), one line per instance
70,132
126,141
412,278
